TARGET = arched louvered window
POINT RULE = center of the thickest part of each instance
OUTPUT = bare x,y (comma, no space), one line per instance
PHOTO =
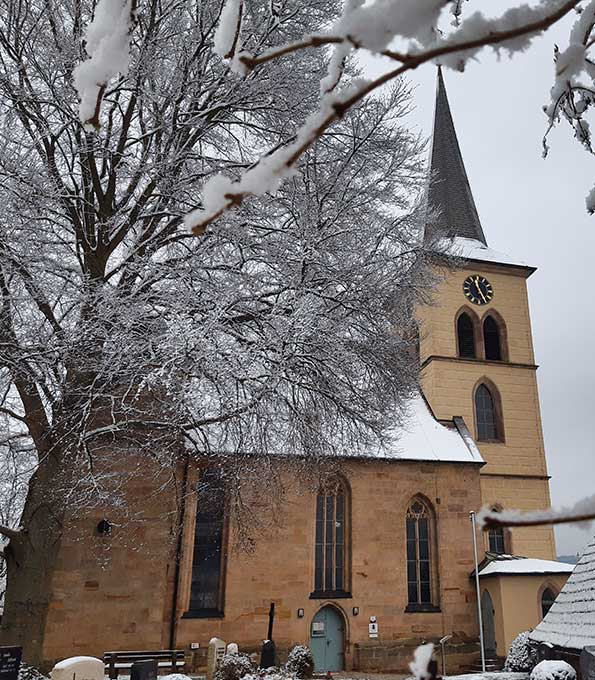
331,548
496,540
547,600
466,336
492,340
419,554
486,417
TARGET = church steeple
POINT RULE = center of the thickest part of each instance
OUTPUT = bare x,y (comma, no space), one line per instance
449,193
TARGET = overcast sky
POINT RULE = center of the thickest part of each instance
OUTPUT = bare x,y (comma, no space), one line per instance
534,210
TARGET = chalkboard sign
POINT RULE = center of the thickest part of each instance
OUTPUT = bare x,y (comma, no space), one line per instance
10,661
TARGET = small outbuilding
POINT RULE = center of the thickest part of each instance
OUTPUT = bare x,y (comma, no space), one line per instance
569,626
516,593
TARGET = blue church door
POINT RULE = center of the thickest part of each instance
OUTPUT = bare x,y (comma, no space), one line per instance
327,638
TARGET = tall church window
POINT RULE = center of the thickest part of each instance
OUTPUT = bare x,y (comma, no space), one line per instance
496,540
491,339
206,590
419,554
487,420
547,600
466,336
331,547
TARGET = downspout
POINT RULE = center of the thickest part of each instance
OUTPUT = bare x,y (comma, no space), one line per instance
178,557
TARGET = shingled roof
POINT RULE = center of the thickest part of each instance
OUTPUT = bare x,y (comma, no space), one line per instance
570,623
452,208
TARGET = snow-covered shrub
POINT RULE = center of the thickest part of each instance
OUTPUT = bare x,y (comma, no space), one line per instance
522,656
27,672
234,667
300,662
553,670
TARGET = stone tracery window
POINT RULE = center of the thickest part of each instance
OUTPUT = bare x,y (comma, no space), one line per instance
488,414
419,553
332,541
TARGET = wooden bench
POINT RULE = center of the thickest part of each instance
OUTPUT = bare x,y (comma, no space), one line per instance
172,659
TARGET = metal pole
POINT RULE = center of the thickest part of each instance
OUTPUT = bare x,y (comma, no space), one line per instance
483,655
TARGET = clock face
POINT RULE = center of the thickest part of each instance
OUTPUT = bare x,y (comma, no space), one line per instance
478,289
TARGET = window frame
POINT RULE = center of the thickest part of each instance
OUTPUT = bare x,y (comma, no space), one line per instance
218,611
477,336
323,575
496,317
431,605
494,393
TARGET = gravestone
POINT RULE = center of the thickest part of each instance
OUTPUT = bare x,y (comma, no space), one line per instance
232,648
214,655
78,668
268,654
10,662
144,670
587,663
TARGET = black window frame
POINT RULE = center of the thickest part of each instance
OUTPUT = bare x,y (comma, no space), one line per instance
419,553
487,422
332,542
492,339
466,342
210,547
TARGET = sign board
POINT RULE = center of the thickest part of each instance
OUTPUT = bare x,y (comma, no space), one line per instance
373,630
587,663
144,670
78,668
318,626
10,662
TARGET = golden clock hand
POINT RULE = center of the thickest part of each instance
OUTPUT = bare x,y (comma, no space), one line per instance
479,289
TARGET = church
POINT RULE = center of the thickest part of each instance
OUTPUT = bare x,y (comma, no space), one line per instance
380,558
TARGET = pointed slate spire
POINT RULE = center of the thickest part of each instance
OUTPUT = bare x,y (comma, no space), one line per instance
449,193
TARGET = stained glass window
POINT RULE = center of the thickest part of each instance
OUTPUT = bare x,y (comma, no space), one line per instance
330,549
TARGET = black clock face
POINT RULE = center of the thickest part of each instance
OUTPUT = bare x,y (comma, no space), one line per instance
478,289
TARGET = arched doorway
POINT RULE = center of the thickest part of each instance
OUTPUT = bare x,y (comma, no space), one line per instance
489,628
327,640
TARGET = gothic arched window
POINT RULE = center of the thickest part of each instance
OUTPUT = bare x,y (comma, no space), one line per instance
487,419
419,553
466,336
331,549
208,563
547,600
491,339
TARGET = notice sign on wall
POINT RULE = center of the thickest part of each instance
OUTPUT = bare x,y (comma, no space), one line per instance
10,661
373,629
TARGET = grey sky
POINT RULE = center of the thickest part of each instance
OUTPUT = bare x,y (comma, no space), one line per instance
534,209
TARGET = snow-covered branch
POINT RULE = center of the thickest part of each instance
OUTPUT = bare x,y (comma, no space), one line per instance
107,42
582,511
371,27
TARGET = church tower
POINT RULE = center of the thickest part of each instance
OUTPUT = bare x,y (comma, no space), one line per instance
476,349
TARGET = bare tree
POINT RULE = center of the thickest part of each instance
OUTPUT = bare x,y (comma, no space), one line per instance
122,335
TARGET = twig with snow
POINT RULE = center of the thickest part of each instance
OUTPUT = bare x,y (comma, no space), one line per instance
107,42
370,27
582,511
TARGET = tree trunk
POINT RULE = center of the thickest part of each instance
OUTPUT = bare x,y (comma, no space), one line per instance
30,560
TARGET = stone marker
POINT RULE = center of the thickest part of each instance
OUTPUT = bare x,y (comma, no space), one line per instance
588,663
268,654
10,662
144,670
78,668
232,648
215,653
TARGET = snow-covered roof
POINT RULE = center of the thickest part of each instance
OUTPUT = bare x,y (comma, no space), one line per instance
570,623
472,249
422,437
513,564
